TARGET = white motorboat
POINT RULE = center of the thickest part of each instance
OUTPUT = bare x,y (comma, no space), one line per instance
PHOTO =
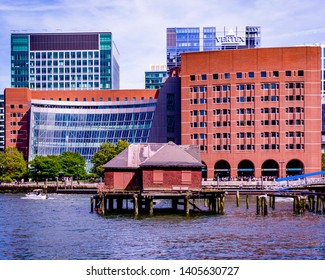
37,194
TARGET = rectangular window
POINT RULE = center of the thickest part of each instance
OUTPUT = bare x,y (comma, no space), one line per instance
250,74
186,177
288,73
239,75
227,76
203,77
300,73
158,177
215,76
275,74
263,74
192,77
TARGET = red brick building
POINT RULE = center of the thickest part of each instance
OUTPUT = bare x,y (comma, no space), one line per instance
20,103
155,166
253,112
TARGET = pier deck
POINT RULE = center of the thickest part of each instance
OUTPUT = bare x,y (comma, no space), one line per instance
137,202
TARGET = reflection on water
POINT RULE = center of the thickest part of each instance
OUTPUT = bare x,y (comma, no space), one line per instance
63,228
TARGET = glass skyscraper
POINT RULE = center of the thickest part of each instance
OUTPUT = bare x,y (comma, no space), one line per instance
194,39
64,61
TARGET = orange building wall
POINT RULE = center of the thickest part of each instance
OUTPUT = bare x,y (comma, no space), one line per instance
295,59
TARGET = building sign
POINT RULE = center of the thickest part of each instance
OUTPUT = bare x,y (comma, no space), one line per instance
231,37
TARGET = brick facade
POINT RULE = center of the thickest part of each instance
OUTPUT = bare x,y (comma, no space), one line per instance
255,111
172,179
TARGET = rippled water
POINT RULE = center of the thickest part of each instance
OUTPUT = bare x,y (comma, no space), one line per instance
62,227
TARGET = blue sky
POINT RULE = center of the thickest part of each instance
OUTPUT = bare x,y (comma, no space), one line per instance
139,26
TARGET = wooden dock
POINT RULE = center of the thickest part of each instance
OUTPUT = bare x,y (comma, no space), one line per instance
147,202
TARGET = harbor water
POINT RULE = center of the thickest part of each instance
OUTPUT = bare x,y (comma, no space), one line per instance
62,228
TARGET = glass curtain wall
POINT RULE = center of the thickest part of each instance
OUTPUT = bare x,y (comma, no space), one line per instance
57,127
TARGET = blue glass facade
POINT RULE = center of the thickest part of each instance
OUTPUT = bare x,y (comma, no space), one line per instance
64,61
82,127
155,79
19,60
192,39
181,40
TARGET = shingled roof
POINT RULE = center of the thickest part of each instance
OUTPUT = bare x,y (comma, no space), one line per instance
156,154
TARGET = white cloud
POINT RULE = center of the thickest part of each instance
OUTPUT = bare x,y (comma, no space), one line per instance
139,26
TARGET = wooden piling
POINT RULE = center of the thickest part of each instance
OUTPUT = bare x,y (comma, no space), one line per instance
258,205
265,210
263,203
237,198
247,202
218,204
222,205
150,206
103,205
186,205
136,204
302,204
92,204
272,201
318,204
214,205
97,204
295,204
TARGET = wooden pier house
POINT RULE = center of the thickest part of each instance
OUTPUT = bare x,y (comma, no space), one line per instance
146,173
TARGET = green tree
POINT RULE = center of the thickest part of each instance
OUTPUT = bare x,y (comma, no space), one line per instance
45,167
12,165
106,152
120,146
73,165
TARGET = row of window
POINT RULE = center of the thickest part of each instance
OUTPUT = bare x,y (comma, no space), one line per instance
60,63
61,70
246,87
244,75
247,123
250,147
66,55
62,85
266,134
242,135
243,99
64,77
13,106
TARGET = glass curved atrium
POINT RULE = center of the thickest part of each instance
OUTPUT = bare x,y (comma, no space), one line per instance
81,127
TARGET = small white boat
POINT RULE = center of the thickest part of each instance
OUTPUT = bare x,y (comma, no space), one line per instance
37,194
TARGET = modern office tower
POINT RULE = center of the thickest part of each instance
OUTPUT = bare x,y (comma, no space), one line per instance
253,112
194,39
155,78
43,122
58,61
